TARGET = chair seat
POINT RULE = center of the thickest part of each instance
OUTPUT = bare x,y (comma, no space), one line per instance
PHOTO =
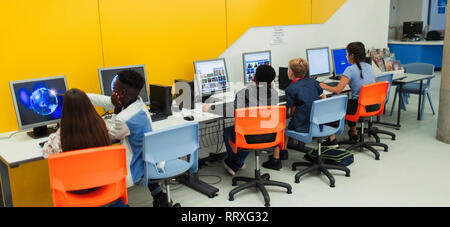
307,137
172,168
413,88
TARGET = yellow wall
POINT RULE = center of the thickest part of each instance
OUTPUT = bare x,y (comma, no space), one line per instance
74,38
322,10
47,38
242,15
167,37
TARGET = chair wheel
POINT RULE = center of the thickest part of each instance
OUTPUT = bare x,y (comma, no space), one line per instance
212,196
347,175
289,192
332,185
297,181
177,205
231,199
267,204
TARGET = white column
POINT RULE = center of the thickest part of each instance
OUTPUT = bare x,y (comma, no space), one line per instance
443,128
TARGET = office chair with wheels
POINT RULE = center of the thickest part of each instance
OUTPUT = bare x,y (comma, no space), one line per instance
374,131
171,145
370,95
322,112
413,88
250,124
100,171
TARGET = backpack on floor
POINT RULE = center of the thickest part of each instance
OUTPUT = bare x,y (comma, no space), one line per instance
332,156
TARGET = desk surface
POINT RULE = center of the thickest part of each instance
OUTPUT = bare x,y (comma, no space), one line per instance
20,148
410,78
439,42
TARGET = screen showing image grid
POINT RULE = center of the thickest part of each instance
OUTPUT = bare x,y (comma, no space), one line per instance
340,60
110,76
319,61
38,101
252,61
212,76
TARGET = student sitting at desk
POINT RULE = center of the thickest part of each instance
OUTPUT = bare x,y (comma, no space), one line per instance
81,128
129,122
358,74
300,95
261,93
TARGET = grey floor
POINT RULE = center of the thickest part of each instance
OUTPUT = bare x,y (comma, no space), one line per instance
415,172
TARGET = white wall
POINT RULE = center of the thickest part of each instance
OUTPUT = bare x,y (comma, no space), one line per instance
357,20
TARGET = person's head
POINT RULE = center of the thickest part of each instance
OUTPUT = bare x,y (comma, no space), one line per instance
264,74
298,67
127,87
81,126
356,53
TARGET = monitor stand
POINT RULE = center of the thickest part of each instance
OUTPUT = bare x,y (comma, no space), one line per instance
334,77
41,132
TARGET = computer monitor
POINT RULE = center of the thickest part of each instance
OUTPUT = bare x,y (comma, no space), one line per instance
412,29
160,99
108,77
252,61
283,79
319,61
340,62
211,76
38,103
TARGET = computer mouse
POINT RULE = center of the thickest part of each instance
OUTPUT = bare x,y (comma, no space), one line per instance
189,118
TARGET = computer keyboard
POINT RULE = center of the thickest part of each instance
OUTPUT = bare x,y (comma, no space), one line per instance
158,117
332,84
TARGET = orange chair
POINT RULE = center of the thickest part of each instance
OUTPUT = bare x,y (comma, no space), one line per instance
369,95
103,167
250,124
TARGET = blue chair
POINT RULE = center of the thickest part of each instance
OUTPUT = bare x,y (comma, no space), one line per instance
374,131
170,145
322,112
413,88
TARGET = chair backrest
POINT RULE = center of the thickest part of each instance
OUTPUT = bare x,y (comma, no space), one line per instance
420,68
389,78
325,111
370,94
172,143
260,120
104,167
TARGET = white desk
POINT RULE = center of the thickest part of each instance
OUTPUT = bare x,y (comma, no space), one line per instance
21,149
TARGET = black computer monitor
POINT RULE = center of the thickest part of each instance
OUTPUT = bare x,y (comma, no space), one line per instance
160,99
412,29
108,77
211,76
251,61
283,79
319,61
340,62
38,103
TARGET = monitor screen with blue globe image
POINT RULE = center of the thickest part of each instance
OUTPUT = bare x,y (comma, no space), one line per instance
109,76
38,102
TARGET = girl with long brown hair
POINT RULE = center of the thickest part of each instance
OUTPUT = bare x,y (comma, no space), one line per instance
81,126
358,74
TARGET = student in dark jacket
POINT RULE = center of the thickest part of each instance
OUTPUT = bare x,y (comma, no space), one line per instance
300,95
261,93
